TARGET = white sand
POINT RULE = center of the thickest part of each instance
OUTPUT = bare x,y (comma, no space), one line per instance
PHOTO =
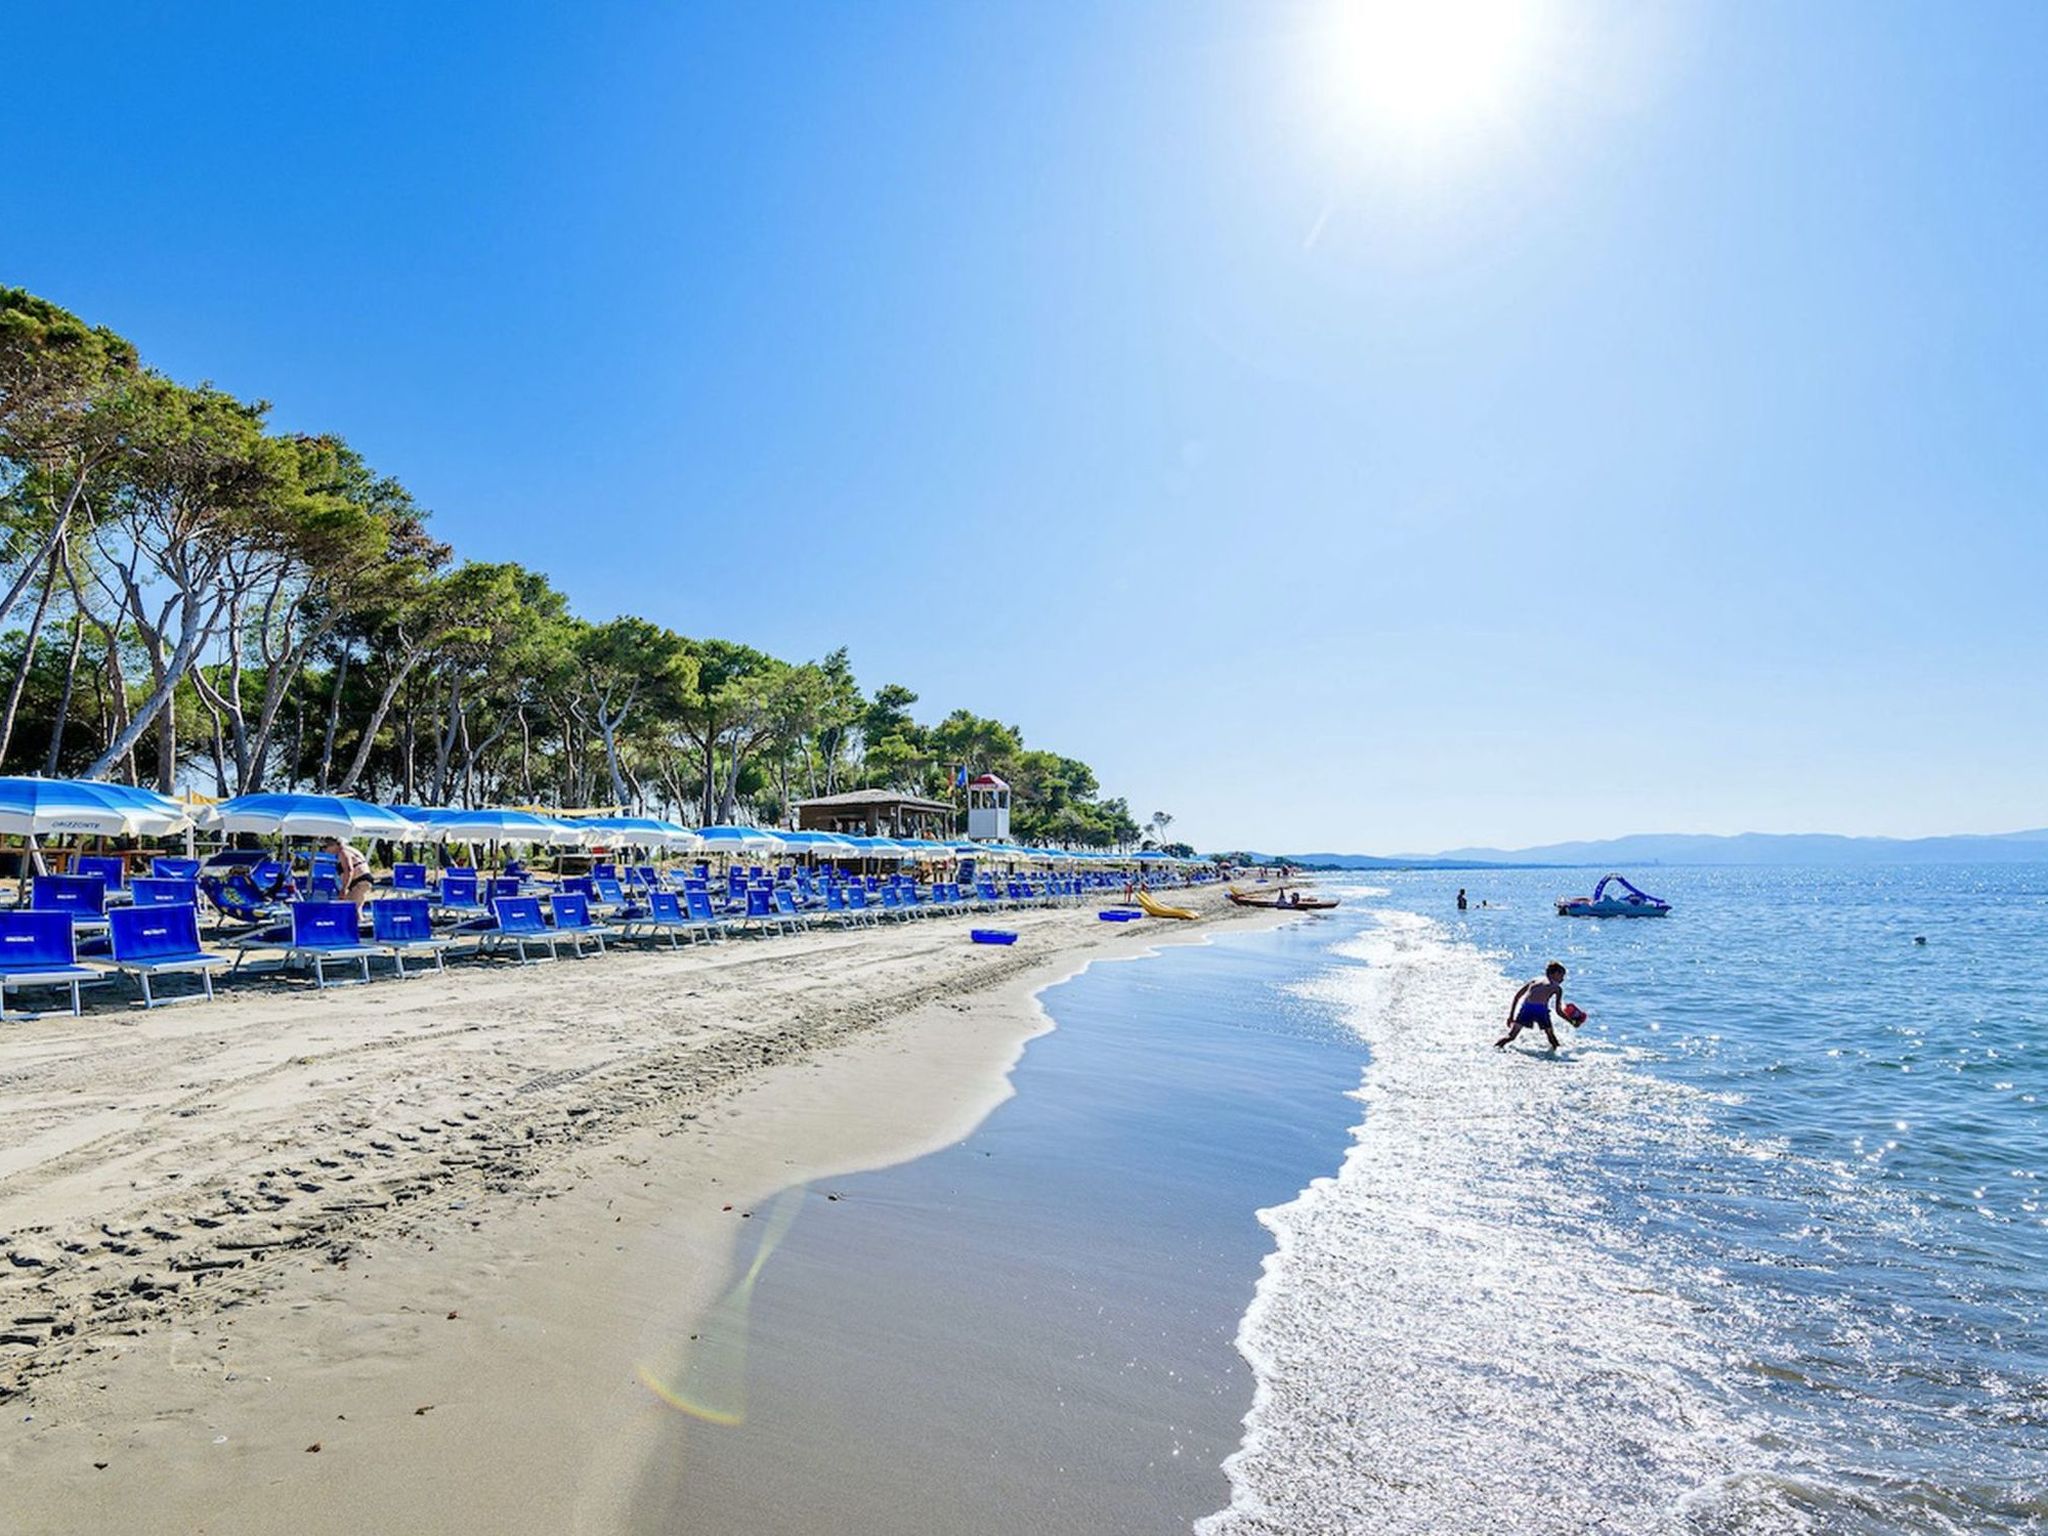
236,1232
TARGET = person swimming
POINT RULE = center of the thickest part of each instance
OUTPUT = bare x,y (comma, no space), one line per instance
1531,1007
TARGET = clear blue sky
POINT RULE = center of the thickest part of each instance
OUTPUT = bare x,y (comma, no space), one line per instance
1642,433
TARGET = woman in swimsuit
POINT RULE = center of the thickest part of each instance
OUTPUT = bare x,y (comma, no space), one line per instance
352,872
1531,1006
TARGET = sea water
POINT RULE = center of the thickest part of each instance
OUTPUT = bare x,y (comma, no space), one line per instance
1764,1248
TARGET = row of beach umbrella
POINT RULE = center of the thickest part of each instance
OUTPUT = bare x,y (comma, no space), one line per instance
84,807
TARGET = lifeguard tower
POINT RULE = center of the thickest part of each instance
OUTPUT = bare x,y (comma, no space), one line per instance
988,809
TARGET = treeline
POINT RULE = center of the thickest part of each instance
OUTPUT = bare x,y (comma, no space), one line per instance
194,599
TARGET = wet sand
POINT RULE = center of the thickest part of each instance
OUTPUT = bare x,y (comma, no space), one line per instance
441,1229
1033,1330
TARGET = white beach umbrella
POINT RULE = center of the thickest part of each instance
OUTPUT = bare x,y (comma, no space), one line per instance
725,839
293,815
497,826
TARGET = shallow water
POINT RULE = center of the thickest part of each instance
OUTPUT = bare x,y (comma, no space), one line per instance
1032,1330
1764,1249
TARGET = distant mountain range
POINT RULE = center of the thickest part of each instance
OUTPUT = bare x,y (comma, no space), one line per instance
1649,849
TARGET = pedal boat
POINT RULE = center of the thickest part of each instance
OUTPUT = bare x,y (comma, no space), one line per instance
1630,902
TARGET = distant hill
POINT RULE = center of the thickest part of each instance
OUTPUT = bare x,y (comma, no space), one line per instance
1774,848
1648,849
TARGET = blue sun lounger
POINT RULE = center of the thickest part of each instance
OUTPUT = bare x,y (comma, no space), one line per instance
40,949
786,909
572,922
664,914
519,925
697,902
760,912
409,877
160,941
458,895
324,932
162,868
156,891
82,898
403,926
113,871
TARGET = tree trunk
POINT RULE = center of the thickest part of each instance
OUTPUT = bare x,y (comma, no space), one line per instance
333,721
50,764
59,526
446,748
195,630
376,724
28,651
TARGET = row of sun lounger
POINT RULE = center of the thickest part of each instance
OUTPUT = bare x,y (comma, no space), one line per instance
157,933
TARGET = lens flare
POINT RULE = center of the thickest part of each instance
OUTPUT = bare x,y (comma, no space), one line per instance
708,1380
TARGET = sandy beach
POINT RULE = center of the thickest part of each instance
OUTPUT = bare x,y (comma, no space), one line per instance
408,1256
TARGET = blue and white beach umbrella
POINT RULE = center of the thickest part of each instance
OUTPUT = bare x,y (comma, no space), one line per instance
738,840
290,815
33,807
495,826
636,831
821,845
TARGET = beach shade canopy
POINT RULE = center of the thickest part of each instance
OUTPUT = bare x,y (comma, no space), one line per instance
636,831
878,848
31,807
287,815
495,826
823,845
738,840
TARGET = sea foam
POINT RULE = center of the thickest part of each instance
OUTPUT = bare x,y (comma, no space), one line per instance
1458,1331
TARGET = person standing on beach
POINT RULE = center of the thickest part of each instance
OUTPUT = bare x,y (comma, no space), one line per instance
352,872
1531,1006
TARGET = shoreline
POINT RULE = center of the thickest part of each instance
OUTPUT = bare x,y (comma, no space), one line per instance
611,1114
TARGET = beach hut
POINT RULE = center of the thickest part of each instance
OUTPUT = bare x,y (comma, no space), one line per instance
875,813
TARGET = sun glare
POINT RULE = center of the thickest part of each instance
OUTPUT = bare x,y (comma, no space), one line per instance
1423,70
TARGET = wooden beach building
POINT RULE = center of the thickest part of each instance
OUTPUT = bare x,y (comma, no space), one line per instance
876,813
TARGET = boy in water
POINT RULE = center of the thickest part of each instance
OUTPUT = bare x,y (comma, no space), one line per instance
1531,1006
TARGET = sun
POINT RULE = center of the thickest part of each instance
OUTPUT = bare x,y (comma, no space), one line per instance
1422,70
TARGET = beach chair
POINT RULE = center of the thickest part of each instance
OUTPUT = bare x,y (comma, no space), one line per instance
113,871
161,868
402,926
786,909
81,898
324,932
458,895
40,949
235,896
155,891
609,898
697,903
857,903
409,877
572,922
520,926
160,941
760,912
665,915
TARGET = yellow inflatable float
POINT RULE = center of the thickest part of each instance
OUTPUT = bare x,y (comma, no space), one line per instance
1159,909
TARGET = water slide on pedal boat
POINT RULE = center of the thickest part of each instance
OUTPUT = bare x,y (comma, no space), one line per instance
1635,903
